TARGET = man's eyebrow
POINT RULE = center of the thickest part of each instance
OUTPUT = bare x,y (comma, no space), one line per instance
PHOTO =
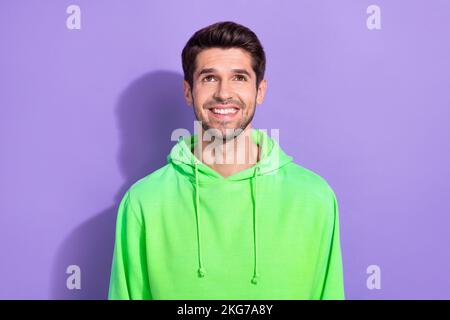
212,70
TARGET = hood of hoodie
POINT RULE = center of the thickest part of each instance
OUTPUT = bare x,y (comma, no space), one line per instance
272,158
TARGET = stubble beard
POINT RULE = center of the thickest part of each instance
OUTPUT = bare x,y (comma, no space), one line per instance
227,133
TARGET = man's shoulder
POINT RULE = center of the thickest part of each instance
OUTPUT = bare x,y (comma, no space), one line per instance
298,176
152,182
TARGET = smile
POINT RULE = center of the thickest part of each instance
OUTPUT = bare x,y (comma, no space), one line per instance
224,113
224,110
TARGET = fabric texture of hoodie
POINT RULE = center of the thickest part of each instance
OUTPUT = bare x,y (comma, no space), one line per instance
270,231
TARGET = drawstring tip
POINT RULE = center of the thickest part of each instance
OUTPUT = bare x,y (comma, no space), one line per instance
255,279
201,272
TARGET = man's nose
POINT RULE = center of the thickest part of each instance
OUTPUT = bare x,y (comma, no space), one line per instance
223,91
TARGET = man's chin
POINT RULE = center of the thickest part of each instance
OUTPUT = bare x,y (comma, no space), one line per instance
224,133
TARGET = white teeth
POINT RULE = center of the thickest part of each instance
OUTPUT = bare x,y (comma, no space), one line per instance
224,111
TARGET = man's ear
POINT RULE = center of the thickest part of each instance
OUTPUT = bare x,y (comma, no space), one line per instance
187,92
261,91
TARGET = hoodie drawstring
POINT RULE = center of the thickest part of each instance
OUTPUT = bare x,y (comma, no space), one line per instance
201,269
256,275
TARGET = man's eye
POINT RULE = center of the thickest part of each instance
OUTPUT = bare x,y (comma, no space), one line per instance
241,77
207,77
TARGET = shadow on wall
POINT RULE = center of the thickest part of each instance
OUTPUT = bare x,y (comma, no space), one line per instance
149,109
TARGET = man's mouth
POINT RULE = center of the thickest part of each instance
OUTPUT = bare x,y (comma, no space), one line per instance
224,113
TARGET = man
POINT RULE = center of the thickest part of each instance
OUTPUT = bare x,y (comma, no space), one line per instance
231,217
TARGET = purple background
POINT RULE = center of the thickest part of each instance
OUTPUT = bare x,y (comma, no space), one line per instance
85,113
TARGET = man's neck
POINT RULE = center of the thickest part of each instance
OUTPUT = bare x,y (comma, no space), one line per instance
231,156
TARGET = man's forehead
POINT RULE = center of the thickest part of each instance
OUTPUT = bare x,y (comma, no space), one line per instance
218,59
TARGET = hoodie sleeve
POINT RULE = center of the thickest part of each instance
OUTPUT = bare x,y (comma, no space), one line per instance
333,285
129,277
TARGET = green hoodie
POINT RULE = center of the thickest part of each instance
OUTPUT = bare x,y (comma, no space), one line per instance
270,231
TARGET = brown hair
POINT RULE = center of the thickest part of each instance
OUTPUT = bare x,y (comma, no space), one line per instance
226,34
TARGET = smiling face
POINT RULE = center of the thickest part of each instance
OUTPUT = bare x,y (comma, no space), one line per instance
224,94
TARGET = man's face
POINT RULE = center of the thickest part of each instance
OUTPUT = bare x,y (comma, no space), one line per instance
224,93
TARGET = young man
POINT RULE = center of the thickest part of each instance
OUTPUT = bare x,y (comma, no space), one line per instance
231,217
